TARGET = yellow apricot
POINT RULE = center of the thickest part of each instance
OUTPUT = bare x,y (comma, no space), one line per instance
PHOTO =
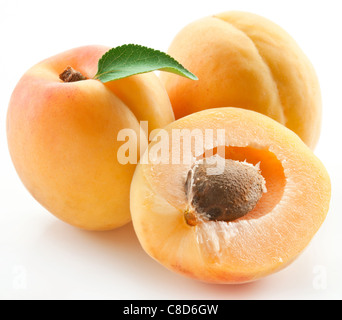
244,60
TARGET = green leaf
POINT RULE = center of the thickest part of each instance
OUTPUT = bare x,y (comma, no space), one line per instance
130,59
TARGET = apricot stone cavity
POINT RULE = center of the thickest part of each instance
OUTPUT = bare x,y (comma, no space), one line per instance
222,190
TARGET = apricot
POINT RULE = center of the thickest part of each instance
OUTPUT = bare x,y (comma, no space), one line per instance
244,60
250,216
62,135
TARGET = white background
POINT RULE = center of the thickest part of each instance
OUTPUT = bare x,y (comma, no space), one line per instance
43,258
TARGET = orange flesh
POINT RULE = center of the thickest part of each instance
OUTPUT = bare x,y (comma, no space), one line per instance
263,241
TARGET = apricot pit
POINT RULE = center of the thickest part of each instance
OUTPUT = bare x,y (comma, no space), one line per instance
222,196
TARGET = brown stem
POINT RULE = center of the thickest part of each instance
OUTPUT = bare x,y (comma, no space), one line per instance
71,75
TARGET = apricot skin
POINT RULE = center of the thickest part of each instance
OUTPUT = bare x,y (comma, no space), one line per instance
62,137
262,242
244,60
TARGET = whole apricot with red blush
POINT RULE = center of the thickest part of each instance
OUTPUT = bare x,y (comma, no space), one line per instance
62,129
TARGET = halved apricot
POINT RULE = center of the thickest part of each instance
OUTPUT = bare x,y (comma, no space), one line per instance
263,240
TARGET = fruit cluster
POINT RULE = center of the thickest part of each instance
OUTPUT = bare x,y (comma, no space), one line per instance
229,192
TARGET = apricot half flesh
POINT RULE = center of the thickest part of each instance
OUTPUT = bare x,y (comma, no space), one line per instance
272,234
